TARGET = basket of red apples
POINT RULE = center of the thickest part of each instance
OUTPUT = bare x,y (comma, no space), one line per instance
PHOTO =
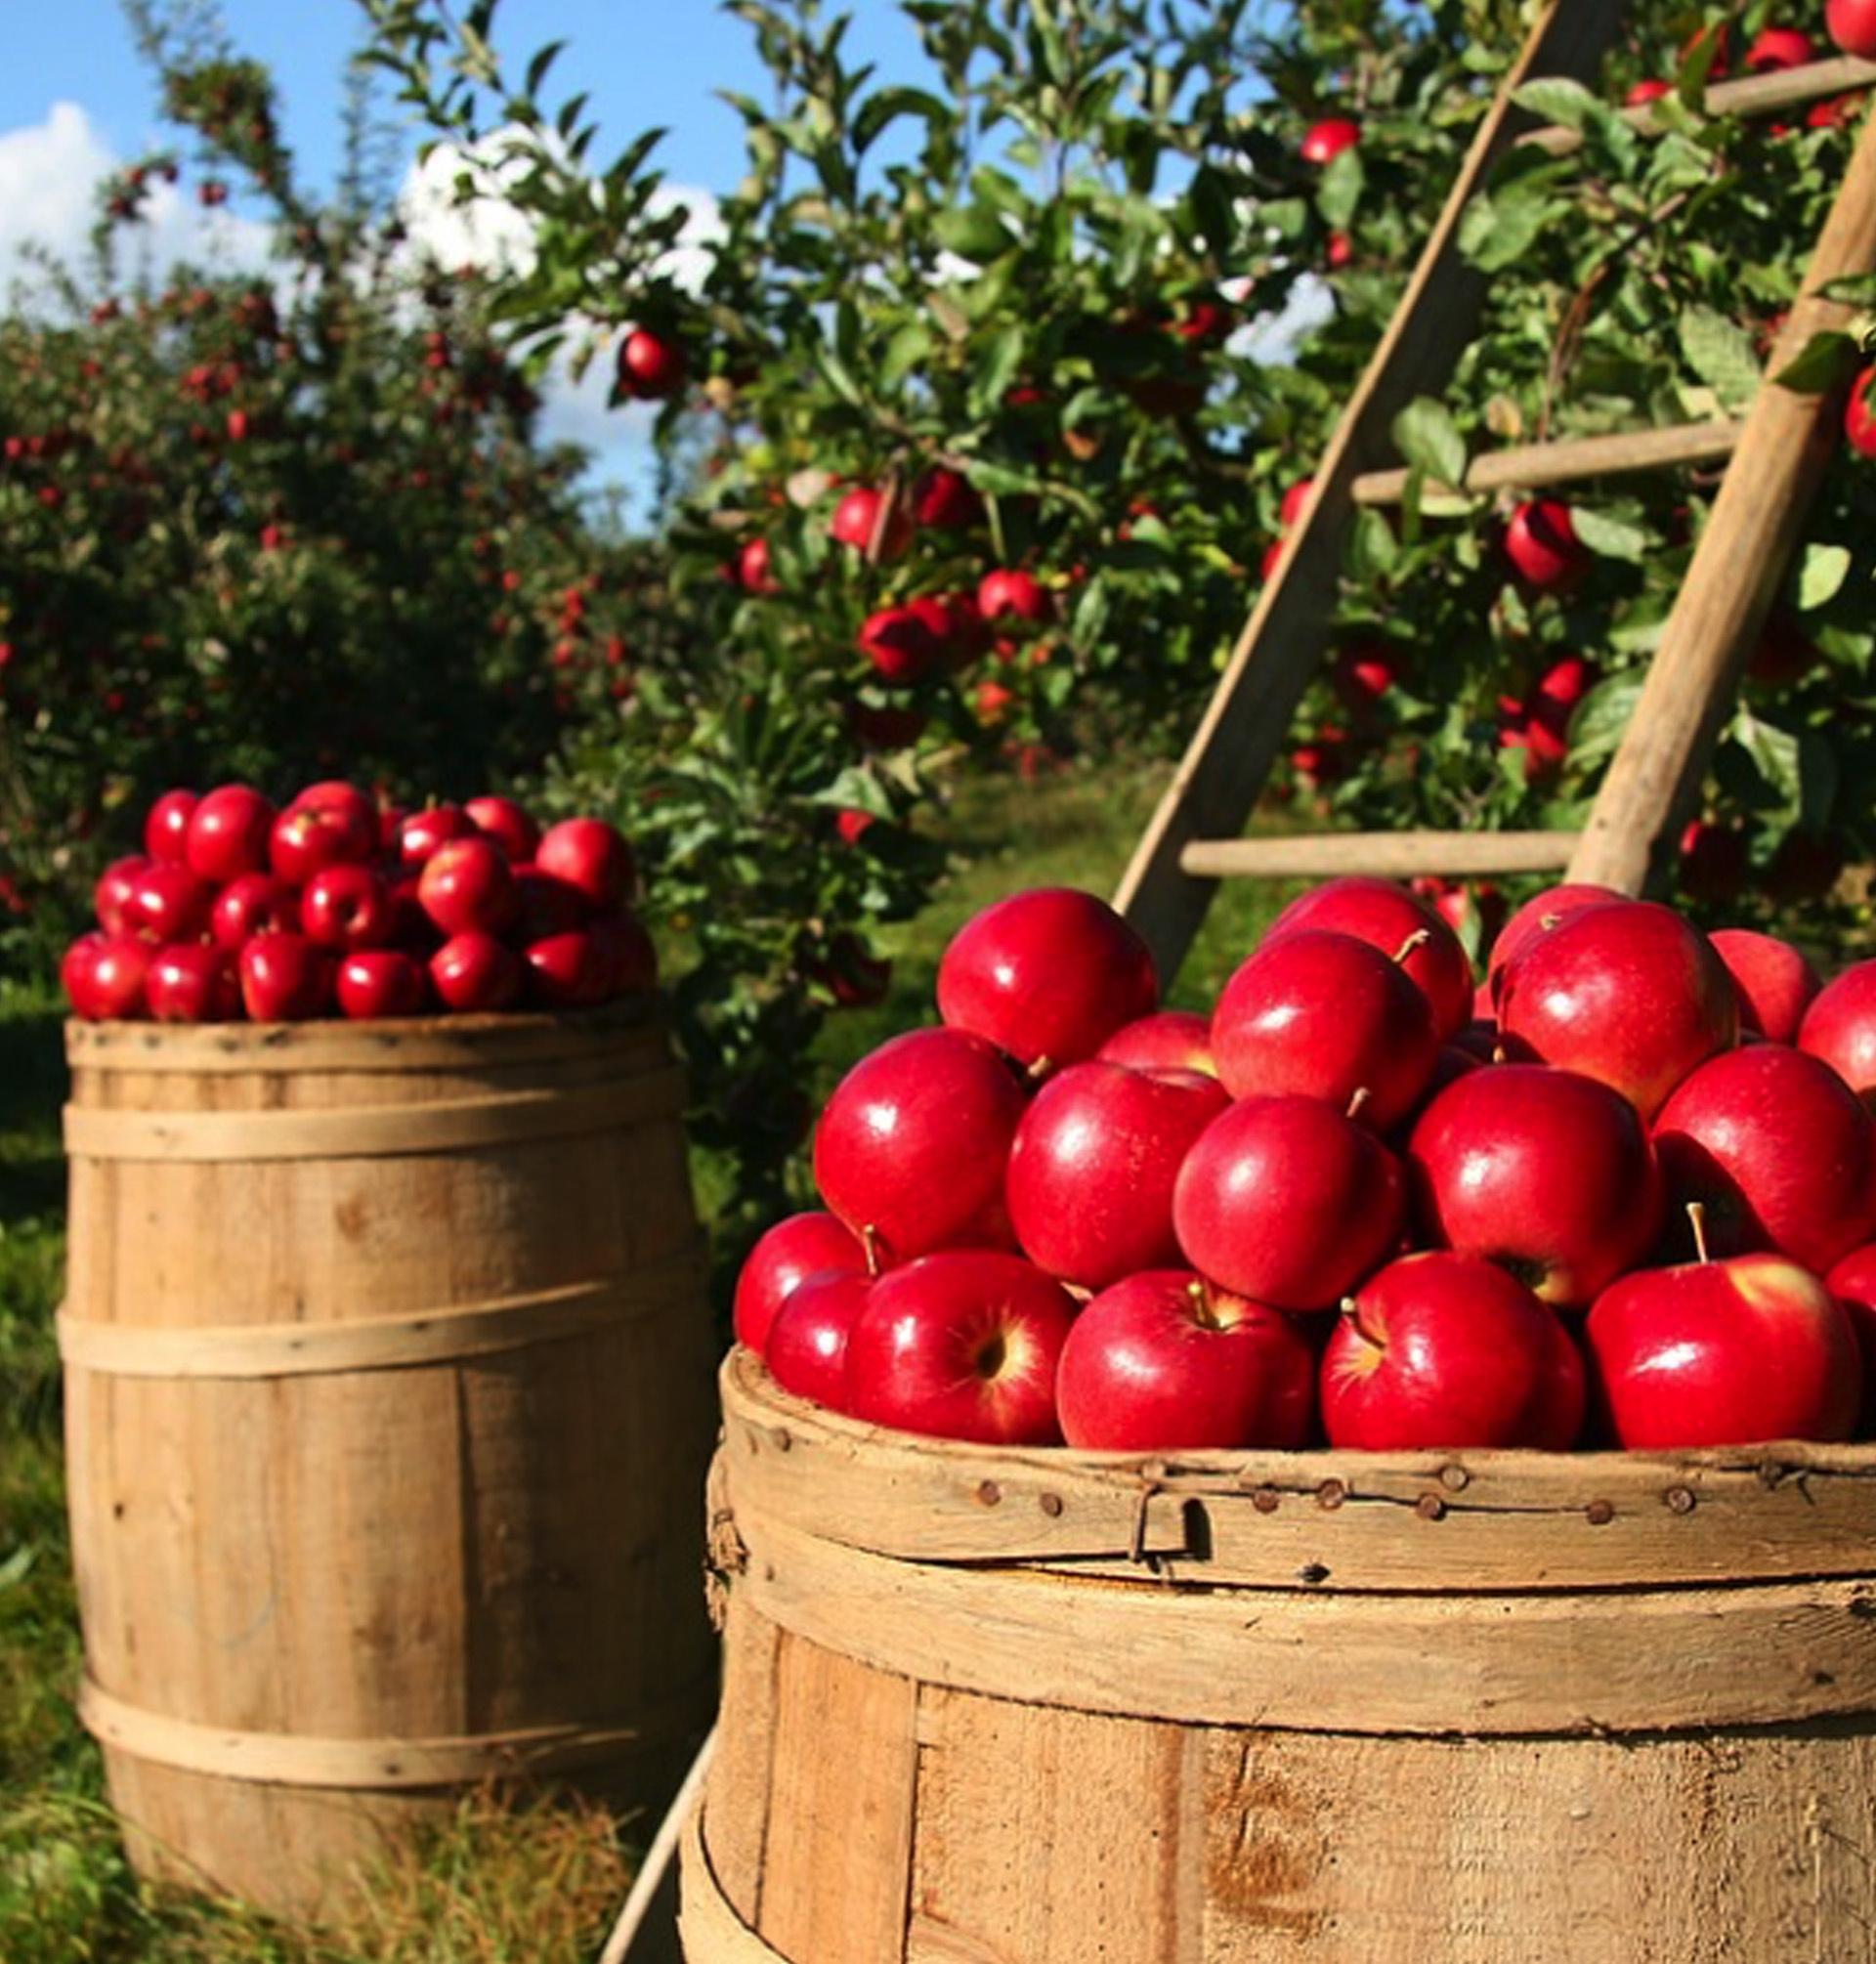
336,904
1339,1466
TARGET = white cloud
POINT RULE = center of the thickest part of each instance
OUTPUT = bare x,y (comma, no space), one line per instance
48,178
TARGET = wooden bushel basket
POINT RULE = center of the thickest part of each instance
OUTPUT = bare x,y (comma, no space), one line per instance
389,1392
1039,1707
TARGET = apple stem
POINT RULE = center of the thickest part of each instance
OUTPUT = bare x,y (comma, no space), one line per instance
1039,1069
1697,1220
1355,1103
874,1243
1419,938
1202,1310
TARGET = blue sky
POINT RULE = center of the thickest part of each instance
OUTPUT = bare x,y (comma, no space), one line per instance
76,99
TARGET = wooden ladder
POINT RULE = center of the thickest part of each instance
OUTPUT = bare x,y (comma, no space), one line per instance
1777,452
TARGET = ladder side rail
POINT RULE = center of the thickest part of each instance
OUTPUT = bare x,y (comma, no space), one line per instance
1224,767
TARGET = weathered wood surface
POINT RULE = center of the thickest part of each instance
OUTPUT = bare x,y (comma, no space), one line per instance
1456,1767
370,1502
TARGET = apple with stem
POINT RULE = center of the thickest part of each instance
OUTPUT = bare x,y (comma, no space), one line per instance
1400,923
1722,1352
1439,1350
1163,1361
962,1344
910,1147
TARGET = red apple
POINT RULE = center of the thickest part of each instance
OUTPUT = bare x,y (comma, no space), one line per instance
285,978
347,908
1839,1026
912,1146
1401,924
1092,1165
1047,975
1852,25
1325,141
1541,542
1715,863
1179,1040
807,1352
254,903
568,970
1288,1201
229,833
1629,993
592,856
962,1344
651,366
476,970
166,826
110,897
546,905
167,902
1726,1352
1774,977
192,982
1774,48
1324,1015
420,832
1161,1361
944,498
1009,591
1536,916
1545,1172
1852,1281
105,976
900,644
1778,1150
1445,1351
508,822
627,952
378,982
468,885
322,829
864,519
784,1255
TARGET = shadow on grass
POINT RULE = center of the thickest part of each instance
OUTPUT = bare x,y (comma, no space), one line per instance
33,1086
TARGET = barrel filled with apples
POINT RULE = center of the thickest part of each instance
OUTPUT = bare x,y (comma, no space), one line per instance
387,1346
1376,1467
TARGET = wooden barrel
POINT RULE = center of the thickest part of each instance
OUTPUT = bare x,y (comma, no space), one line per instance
389,1392
1427,1708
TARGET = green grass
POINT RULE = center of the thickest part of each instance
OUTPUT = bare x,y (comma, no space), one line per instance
496,1885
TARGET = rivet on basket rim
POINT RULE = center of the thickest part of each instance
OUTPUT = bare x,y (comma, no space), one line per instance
1430,1507
987,1493
1454,1477
1679,1499
1599,1512
1331,1493
1052,1503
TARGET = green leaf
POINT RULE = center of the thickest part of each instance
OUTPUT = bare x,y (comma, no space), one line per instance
1500,227
975,233
1341,188
1603,718
886,107
1609,536
909,350
1558,99
1721,353
1425,434
1820,365
993,368
1822,576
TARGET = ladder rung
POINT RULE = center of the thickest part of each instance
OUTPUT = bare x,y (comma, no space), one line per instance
1749,96
1532,466
1392,854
